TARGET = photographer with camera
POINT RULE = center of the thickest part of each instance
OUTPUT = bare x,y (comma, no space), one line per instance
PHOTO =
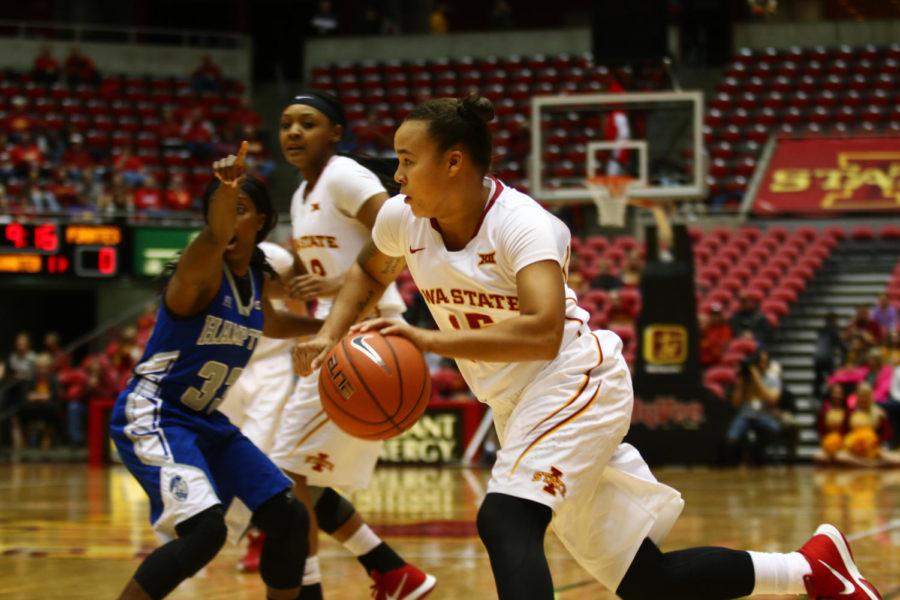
757,397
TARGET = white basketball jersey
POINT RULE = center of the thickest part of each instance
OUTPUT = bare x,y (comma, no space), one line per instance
282,262
327,236
476,286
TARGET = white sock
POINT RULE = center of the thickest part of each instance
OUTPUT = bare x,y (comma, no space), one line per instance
362,542
311,574
777,573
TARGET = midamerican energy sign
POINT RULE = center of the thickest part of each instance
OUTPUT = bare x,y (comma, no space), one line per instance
817,176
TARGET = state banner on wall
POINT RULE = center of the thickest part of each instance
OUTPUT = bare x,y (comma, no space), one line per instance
830,175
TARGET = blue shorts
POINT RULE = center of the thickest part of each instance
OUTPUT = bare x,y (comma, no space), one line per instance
188,462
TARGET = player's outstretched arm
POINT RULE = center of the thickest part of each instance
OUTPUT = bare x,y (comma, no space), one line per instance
282,324
533,335
364,285
199,272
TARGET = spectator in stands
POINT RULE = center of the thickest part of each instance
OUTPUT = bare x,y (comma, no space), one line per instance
26,155
21,367
617,314
891,348
89,189
617,129
131,167
831,421
198,133
577,283
863,325
53,348
631,273
749,321
373,138
756,396
605,279
892,405
80,69
177,195
123,352
207,77
437,20
38,196
501,15
715,335
18,119
369,20
324,22
868,425
45,68
39,414
148,198
117,200
885,315
829,352
76,155
873,372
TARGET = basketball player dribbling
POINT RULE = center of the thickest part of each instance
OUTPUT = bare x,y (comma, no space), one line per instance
491,264
332,213
186,455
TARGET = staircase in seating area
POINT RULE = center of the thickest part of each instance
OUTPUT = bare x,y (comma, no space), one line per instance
856,272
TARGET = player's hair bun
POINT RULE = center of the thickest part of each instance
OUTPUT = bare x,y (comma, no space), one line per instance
478,107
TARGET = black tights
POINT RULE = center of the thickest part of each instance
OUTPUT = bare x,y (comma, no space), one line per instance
513,530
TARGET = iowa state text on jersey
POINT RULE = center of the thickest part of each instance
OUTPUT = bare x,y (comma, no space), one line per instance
472,298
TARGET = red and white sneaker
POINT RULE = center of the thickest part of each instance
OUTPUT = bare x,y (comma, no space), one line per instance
405,583
250,561
834,574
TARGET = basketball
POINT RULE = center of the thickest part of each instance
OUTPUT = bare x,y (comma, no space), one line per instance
374,387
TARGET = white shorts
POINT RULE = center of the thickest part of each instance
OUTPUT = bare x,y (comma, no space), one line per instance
256,400
561,445
308,443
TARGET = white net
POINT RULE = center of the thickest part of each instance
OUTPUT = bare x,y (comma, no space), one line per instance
610,194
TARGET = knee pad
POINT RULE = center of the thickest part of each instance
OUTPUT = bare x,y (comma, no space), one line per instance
332,510
202,536
506,523
199,539
285,522
282,515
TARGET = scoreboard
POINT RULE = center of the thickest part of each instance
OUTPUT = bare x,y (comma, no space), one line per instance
55,249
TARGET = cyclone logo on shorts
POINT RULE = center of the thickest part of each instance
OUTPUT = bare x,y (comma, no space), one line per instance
178,487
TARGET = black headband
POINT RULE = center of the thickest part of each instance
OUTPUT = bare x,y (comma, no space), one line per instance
334,113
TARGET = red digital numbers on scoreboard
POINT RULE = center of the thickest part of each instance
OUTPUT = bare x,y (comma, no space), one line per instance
57,265
15,233
46,238
106,260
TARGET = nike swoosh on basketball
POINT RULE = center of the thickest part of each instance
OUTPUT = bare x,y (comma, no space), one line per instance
849,588
399,590
414,250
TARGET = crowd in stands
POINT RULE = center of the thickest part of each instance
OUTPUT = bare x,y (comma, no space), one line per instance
44,394
858,379
76,140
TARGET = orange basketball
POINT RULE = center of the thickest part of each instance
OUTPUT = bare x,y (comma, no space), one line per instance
374,387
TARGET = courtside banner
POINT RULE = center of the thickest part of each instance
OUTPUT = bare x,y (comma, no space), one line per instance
821,176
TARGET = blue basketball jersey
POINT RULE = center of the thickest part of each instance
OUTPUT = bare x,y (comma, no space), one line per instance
191,362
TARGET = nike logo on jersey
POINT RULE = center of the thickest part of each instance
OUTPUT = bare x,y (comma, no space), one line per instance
414,250
397,592
849,588
360,343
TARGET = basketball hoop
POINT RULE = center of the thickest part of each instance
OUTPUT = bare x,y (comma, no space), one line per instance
610,194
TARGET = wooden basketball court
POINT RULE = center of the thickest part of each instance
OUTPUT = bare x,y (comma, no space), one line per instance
67,531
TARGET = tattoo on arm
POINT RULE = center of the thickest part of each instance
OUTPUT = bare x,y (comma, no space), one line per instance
391,265
365,301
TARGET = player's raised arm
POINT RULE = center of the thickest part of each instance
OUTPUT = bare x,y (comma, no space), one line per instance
363,286
199,272
281,324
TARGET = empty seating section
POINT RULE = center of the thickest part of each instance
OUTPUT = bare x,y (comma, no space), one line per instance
384,93
796,90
